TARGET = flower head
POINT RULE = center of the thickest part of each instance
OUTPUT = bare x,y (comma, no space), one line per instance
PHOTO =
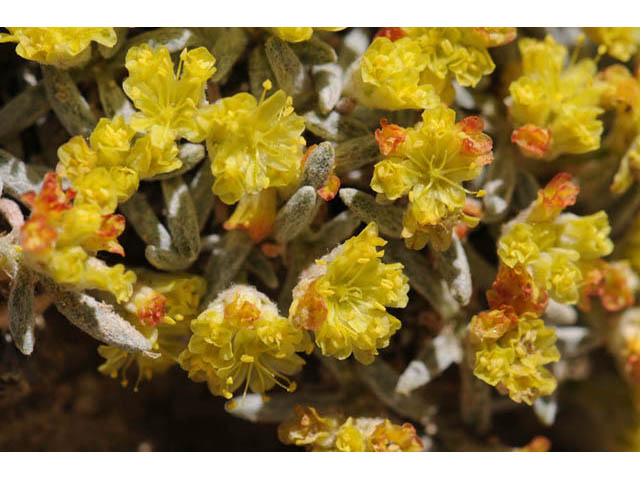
414,67
62,235
555,109
63,47
390,77
107,170
556,248
343,297
619,42
335,434
510,353
428,163
169,102
253,145
241,339
160,308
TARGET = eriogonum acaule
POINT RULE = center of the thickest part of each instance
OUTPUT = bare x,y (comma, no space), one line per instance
62,236
161,308
241,339
429,162
299,34
511,352
510,342
558,249
332,433
169,102
253,144
414,67
619,42
343,298
555,107
63,47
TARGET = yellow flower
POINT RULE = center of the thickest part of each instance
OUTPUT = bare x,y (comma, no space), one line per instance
460,52
241,339
332,433
428,163
63,47
61,236
619,42
107,171
253,145
556,249
255,213
169,102
343,297
510,354
183,292
158,300
390,77
555,109
414,67
299,34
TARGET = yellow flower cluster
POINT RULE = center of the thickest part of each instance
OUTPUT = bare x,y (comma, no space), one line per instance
335,434
511,352
428,163
510,342
619,42
61,237
343,297
160,308
241,339
107,171
555,109
169,103
414,67
557,249
299,34
63,47
253,144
